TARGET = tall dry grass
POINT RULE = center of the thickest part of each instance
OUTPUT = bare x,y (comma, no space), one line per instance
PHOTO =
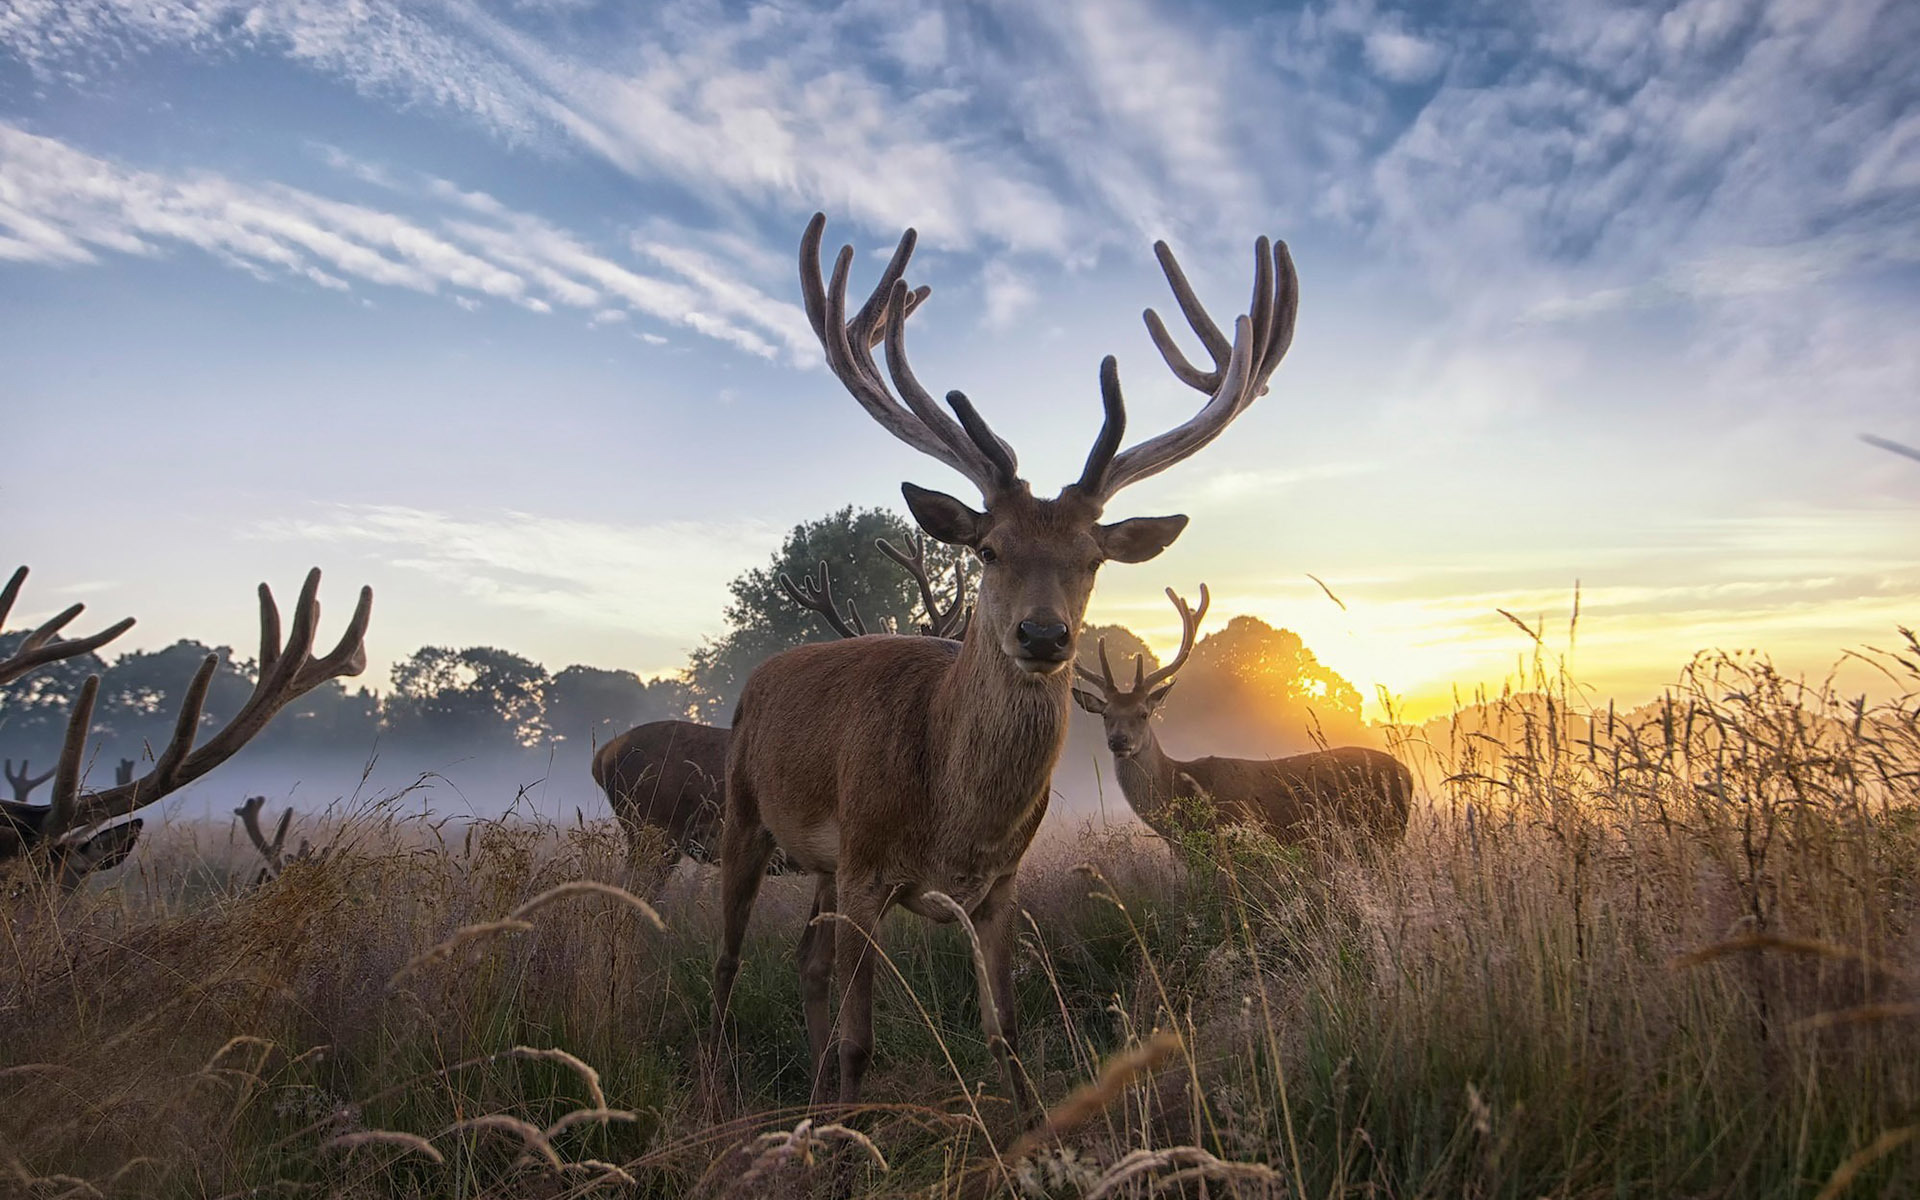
1670,952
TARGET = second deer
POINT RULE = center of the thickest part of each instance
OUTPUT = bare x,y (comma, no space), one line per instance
1350,789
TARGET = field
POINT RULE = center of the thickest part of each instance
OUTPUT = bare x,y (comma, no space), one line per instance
1667,953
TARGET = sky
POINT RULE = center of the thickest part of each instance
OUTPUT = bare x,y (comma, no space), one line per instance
494,307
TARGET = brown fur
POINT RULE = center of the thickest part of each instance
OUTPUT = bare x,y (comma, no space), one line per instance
1295,799
669,776
894,766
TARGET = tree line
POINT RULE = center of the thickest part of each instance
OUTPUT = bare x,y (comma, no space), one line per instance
1248,680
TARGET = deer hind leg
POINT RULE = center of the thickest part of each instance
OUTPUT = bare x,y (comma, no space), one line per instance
745,847
856,950
995,922
816,982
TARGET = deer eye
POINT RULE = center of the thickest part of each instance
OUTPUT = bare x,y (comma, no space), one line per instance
1094,565
987,555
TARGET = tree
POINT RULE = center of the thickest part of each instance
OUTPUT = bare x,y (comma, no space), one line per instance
1249,677
34,708
589,705
1122,645
762,621
477,697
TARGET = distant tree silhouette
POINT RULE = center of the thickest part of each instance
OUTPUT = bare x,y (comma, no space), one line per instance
1260,688
33,709
761,621
1122,645
589,705
477,697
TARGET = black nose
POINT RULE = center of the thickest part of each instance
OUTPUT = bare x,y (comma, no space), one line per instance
1117,744
1044,639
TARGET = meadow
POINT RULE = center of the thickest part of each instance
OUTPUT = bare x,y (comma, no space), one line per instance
1662,953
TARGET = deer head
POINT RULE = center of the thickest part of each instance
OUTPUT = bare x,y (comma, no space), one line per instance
64,837
1126,710
1039,556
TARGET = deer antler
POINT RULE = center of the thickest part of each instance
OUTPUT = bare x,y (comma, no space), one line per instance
287,672
1189,625
1239,375
24,781
44,645
968,445
817,594
249,814
949,624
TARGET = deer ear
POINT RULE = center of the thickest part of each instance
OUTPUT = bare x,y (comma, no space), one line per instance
1139,539
944,518
1159,694
1090,702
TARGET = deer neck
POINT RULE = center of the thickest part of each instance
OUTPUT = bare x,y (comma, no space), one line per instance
1146,780
1000,732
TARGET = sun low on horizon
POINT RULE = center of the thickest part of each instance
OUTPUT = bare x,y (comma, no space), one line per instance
494,307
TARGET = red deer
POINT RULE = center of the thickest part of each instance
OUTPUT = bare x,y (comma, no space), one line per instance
58,837
666,778
1295,799
914,771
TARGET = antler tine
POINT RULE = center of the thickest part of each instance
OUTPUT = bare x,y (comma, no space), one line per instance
912,417
954,624
817,595
939,624
1106,668
44,645
61,811
1189,626
25,780
249,814
1240,371
286,673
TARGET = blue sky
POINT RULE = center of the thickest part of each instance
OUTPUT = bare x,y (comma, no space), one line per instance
494,307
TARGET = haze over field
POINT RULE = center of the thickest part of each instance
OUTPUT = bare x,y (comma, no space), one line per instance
493,307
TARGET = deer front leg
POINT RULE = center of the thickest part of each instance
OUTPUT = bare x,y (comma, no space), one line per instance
856,948
816,981
995,922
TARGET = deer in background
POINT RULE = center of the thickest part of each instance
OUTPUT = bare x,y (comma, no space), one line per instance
1295,799
667,777
914,771
59,838
24,780
273,851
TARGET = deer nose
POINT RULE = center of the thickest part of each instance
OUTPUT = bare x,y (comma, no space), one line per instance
1045,640
1119,745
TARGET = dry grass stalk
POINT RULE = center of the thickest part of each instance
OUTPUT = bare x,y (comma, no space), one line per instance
1183,1163
1873,1152
781,1146
607,1172
1090,1100
1860,1015
535,1141
587,1074
590,1116
461,936
1787,945
589,887
347,1143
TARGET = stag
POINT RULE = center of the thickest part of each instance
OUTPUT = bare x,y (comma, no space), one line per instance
59,837
667,777
1294,799
915,771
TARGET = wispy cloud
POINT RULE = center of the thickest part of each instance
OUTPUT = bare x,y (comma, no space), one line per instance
61,206
582,573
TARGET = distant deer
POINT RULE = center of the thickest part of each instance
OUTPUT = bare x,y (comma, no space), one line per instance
273,851
667,777
24,780
898,768
60,838
1295,799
